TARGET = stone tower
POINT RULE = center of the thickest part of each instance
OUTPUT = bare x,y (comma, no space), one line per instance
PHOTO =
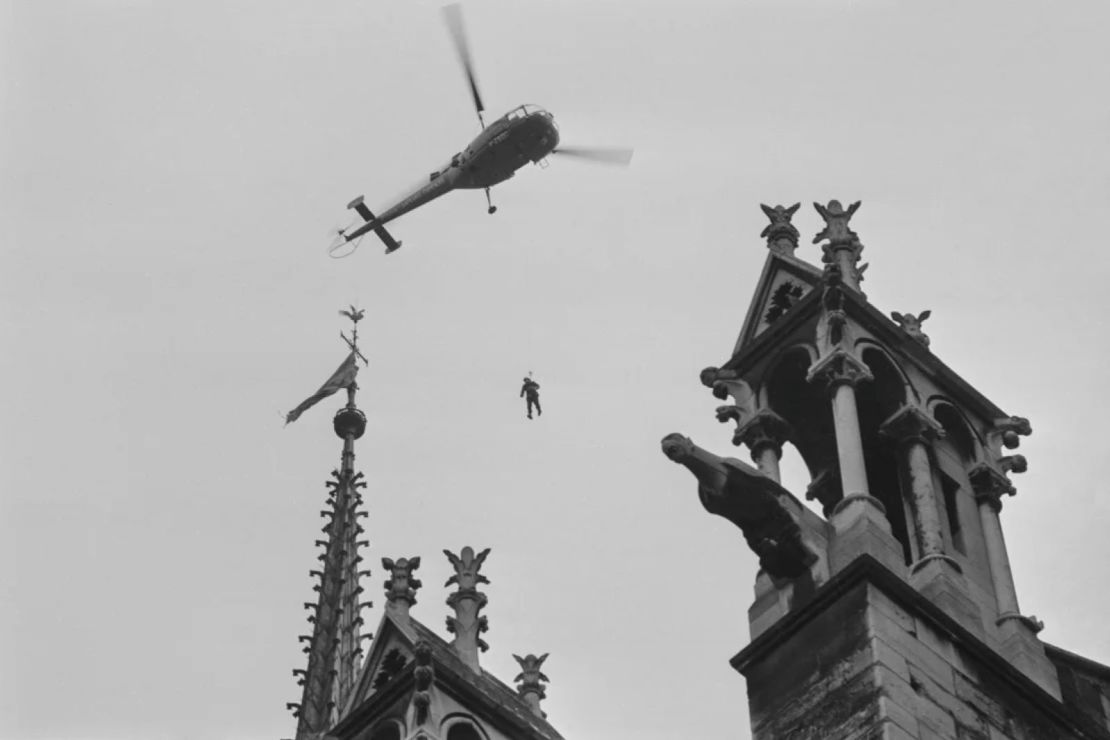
893,615
413,684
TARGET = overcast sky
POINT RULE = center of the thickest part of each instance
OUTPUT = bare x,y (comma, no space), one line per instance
168,175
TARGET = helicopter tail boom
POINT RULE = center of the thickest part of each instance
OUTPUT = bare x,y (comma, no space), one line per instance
372,224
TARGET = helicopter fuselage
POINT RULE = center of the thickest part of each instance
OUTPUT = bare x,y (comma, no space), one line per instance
524,134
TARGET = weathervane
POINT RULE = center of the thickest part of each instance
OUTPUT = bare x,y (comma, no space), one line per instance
355,315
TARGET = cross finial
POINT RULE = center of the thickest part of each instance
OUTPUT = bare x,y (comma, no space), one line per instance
355,315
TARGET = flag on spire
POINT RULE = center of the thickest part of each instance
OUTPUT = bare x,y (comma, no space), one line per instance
343,377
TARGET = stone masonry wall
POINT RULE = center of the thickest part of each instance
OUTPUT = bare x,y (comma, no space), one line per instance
866,666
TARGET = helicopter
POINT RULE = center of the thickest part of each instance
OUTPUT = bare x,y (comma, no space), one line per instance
525,134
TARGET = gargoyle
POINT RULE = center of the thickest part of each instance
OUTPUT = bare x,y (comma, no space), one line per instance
1011,429
748,499
912,325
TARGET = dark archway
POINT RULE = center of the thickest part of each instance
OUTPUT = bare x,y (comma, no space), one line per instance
876,402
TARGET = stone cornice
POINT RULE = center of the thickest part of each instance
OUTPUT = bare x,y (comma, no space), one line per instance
866,569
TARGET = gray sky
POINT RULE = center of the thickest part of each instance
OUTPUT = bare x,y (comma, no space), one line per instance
169,172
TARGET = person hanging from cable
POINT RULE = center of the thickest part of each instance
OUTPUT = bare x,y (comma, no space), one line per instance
530,391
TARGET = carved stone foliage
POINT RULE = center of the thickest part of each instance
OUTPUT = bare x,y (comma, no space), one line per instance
839,368
530,675
782,236
402,585
990,485
748,499
912,325
911,423
466,566
467,625
422,678
392,664
782,300
764,429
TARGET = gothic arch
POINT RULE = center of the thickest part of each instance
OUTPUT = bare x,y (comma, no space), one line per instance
462,727
803,405
762,383
959,431
886,370
390,729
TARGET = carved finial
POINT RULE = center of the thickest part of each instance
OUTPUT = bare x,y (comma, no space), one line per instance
836,224
912,325
400,589
782,237
529,678
466,568
843,248
467,625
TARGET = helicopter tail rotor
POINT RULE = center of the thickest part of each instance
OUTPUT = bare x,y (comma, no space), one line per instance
600,154
452,14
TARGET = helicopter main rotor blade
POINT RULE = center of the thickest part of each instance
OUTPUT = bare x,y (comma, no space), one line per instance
600,154
453,15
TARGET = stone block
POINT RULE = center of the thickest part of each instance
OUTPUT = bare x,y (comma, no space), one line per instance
862,535
945,586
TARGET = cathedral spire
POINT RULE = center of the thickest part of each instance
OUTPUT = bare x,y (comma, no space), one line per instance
333,648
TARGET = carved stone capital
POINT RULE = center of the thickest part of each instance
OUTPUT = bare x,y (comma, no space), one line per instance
911,423
990,485
750,500
764,429
839,367
782,236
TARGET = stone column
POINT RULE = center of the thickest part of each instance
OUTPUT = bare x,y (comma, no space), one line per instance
764,435
467,625
841,371
990,485
912,428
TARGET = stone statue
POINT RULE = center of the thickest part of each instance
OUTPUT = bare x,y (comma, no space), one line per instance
782,236
836,224
751,501
912,325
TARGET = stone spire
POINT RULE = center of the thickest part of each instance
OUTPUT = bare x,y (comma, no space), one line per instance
466,625
531,689
333,648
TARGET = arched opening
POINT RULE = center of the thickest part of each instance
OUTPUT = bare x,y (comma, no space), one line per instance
386,732
955,453
805,407
877,401
463,731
